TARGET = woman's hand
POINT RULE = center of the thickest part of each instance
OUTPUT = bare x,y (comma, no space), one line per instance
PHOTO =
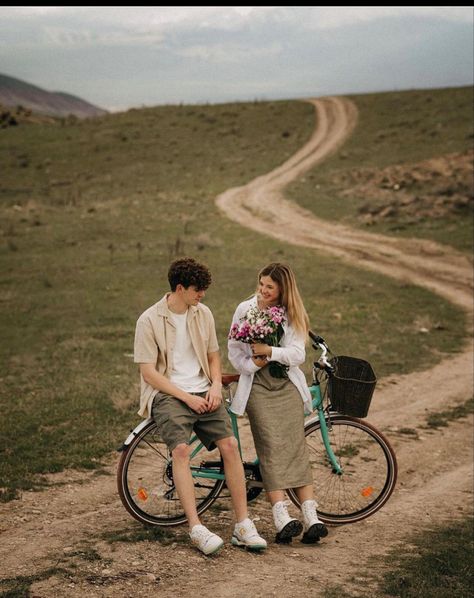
260,360
261,349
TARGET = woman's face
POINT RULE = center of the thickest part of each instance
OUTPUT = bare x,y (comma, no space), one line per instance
269,290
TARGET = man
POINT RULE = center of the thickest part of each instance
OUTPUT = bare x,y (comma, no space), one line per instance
176,347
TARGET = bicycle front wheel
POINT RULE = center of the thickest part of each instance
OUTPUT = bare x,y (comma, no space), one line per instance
369,470
145,480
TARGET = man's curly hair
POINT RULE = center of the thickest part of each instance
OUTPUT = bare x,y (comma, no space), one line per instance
187,271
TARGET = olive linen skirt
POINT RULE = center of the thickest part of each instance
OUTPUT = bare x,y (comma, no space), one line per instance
276,414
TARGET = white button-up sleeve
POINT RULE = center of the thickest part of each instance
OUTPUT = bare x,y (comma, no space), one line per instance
239,353
293,352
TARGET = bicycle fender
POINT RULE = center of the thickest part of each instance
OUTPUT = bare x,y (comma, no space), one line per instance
137,430
313,419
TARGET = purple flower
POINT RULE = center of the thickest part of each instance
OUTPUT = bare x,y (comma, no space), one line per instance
259,326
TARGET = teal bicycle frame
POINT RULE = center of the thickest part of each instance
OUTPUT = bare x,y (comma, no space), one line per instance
317,403
315,391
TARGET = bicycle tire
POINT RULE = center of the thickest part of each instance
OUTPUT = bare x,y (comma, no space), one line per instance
145,481
369,470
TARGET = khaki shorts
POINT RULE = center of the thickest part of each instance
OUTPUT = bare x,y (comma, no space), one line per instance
176,422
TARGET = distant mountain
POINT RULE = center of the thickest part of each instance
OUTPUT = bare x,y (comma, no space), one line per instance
14,92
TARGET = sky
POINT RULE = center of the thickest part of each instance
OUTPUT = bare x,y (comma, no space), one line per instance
123,57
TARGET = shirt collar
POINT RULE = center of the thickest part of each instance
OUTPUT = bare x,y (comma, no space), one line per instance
163,309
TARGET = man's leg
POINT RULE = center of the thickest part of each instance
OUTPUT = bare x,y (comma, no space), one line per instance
234,475
184,483
206,541
245,533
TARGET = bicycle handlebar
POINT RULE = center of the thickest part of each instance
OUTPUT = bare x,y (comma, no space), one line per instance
316,338
320,344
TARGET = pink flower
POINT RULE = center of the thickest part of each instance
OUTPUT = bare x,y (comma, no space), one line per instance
259,326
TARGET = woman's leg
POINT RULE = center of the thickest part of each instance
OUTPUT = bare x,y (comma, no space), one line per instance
275,496
287,527
314,528
304,493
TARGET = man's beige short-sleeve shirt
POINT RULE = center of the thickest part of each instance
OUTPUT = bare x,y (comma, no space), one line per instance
155,339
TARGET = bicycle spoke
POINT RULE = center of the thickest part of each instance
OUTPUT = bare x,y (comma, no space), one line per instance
146,486
368,470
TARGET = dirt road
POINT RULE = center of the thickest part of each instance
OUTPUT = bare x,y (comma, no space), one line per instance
64,526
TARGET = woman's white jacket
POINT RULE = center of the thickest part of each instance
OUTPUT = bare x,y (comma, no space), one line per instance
291,353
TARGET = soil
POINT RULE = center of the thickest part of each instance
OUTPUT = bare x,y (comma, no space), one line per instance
66,526
431,189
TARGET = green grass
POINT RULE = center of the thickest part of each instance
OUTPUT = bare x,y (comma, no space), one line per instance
441,419
438,565
19,587
332,590
146,533
92,212
395,128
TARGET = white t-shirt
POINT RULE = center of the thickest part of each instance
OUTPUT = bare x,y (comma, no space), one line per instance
186,372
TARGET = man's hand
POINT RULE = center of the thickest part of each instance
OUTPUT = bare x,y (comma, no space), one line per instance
214,397
197,404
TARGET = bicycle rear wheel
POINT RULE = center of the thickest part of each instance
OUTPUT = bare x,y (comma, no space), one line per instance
369,470
145,480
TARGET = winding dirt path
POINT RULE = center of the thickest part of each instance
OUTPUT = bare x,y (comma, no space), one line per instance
445,485
65,525
259,205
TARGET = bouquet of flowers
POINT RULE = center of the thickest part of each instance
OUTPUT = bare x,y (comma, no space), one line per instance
262,326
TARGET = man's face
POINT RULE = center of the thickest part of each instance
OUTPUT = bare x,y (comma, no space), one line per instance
190,296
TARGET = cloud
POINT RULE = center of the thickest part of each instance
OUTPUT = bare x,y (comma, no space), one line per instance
225,17
61,37
85,25
125,56
228,53
327,17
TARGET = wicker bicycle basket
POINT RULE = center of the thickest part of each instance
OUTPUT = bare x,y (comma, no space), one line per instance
352,386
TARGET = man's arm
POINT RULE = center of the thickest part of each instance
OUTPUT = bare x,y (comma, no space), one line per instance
214,395
161,383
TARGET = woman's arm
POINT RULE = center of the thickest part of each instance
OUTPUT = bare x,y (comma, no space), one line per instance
239,353
292,354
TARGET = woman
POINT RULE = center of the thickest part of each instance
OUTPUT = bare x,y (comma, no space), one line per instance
276,406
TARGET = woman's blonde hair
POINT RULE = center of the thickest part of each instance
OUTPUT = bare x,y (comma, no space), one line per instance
290,297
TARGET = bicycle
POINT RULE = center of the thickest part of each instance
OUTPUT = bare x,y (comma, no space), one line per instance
354,467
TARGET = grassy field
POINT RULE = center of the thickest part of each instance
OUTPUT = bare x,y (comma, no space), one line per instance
402,128
92,213
437,565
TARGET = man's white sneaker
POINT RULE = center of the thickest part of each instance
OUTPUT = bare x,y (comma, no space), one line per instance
206,541
245,534
314,528
287,527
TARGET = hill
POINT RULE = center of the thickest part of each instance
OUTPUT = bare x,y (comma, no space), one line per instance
14,92
91,213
